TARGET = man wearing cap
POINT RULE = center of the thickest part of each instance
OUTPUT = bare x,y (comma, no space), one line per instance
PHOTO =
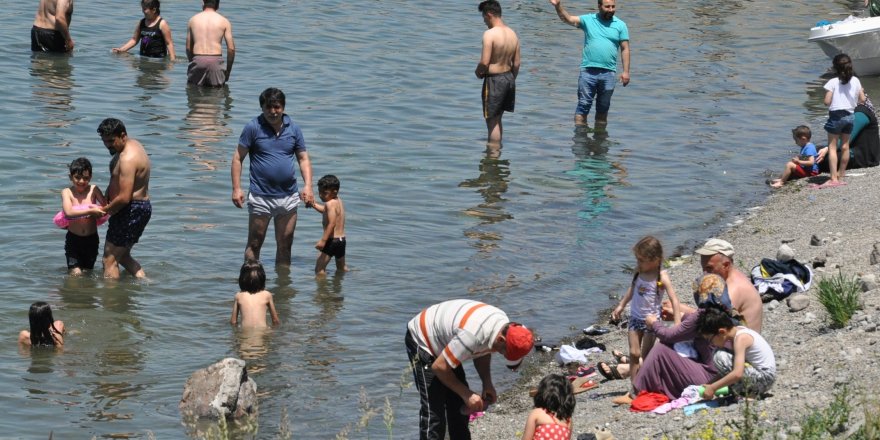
438,341
716,256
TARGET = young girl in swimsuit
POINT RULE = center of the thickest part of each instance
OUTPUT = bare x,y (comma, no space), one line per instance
554,405
81,214
45,330
646,294
153,33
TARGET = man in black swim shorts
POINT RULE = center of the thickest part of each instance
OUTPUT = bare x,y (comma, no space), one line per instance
498,67
129,200
51,30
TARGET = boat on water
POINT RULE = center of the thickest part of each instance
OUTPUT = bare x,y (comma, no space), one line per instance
858,37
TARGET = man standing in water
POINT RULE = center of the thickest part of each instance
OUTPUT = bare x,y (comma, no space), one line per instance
51,30
205,34
604,36
273,142
498,67
128,195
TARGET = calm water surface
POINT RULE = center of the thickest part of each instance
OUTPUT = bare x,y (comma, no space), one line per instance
386,97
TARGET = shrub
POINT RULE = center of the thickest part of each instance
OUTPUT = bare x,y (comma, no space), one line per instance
840,295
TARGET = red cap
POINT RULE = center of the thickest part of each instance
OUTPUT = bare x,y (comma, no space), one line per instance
519,342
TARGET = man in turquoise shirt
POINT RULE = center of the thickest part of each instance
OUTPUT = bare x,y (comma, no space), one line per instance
604,36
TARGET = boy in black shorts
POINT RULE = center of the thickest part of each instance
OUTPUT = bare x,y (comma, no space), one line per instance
332,243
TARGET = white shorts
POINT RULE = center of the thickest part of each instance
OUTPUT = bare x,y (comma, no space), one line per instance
272,206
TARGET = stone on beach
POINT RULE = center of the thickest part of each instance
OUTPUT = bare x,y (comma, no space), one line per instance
785,253
798,302
220,390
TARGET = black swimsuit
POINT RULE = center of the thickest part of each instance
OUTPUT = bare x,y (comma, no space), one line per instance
152,40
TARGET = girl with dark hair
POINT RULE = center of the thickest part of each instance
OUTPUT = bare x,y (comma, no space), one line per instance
554,405
254,300
45,330
153,33
843,93
751,369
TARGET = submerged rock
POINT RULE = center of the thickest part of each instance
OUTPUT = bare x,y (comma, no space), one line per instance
220,390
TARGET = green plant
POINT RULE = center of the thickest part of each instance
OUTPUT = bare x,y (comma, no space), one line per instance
840,295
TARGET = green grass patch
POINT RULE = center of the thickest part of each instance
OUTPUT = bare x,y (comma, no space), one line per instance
841,297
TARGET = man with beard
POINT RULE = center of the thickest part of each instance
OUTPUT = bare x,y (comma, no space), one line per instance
604,36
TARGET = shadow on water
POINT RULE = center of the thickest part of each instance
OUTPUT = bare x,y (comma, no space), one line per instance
491,184
206,125
594,171
53,94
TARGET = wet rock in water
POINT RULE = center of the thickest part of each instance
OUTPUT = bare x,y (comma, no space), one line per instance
869,282
815,241
785,253
798,302
220,390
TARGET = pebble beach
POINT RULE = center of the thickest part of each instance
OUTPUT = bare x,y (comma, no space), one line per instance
834,229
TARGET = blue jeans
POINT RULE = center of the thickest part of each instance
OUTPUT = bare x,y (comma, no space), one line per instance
598,84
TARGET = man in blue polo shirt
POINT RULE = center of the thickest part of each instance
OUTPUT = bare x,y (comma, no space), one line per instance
273,142
604,36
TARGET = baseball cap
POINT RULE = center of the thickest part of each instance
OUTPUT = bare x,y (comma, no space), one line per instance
519,341
716,246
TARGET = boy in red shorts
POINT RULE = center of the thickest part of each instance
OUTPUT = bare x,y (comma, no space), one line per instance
804,164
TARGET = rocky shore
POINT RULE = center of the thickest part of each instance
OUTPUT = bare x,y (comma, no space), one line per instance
835,229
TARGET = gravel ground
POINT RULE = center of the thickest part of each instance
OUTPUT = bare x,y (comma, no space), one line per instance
841,226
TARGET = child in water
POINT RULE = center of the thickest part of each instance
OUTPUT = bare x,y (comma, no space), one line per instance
805,164
254,299
646,294
81,214
554,406
843,93
332,243
45,330
751,369
153,33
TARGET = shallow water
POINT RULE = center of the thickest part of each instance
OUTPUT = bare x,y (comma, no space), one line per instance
386,97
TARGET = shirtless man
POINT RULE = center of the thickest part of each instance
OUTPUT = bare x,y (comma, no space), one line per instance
129,201
716,256
51,30
205,34
498,67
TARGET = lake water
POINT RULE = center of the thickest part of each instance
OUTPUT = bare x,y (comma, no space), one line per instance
385,94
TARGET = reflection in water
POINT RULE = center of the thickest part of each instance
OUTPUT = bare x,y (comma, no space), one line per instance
328,296
593,170
53,94
253,346
491,184
206,125
151,73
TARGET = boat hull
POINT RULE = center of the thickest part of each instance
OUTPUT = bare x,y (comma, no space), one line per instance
858,38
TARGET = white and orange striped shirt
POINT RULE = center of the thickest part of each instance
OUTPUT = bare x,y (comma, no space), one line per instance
458,329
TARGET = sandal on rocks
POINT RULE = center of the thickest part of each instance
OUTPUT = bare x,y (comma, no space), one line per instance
609,372
621,358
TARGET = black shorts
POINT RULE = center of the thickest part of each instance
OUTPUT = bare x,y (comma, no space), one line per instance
499,94
47,40
81,251
127,225
335,247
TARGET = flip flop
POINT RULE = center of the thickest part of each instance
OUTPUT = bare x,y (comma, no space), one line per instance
611,374
583,384
621,358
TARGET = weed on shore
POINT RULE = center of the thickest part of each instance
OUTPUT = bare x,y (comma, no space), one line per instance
841,297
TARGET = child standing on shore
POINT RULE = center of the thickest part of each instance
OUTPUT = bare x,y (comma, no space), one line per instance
254,299
646,294
843,93
717,325
45,330
153,33
80,214
804,164
332,243
554,406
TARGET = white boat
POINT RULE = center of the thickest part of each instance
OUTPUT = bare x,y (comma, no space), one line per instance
855,36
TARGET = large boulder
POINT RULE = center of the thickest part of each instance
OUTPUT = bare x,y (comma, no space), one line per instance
220,390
